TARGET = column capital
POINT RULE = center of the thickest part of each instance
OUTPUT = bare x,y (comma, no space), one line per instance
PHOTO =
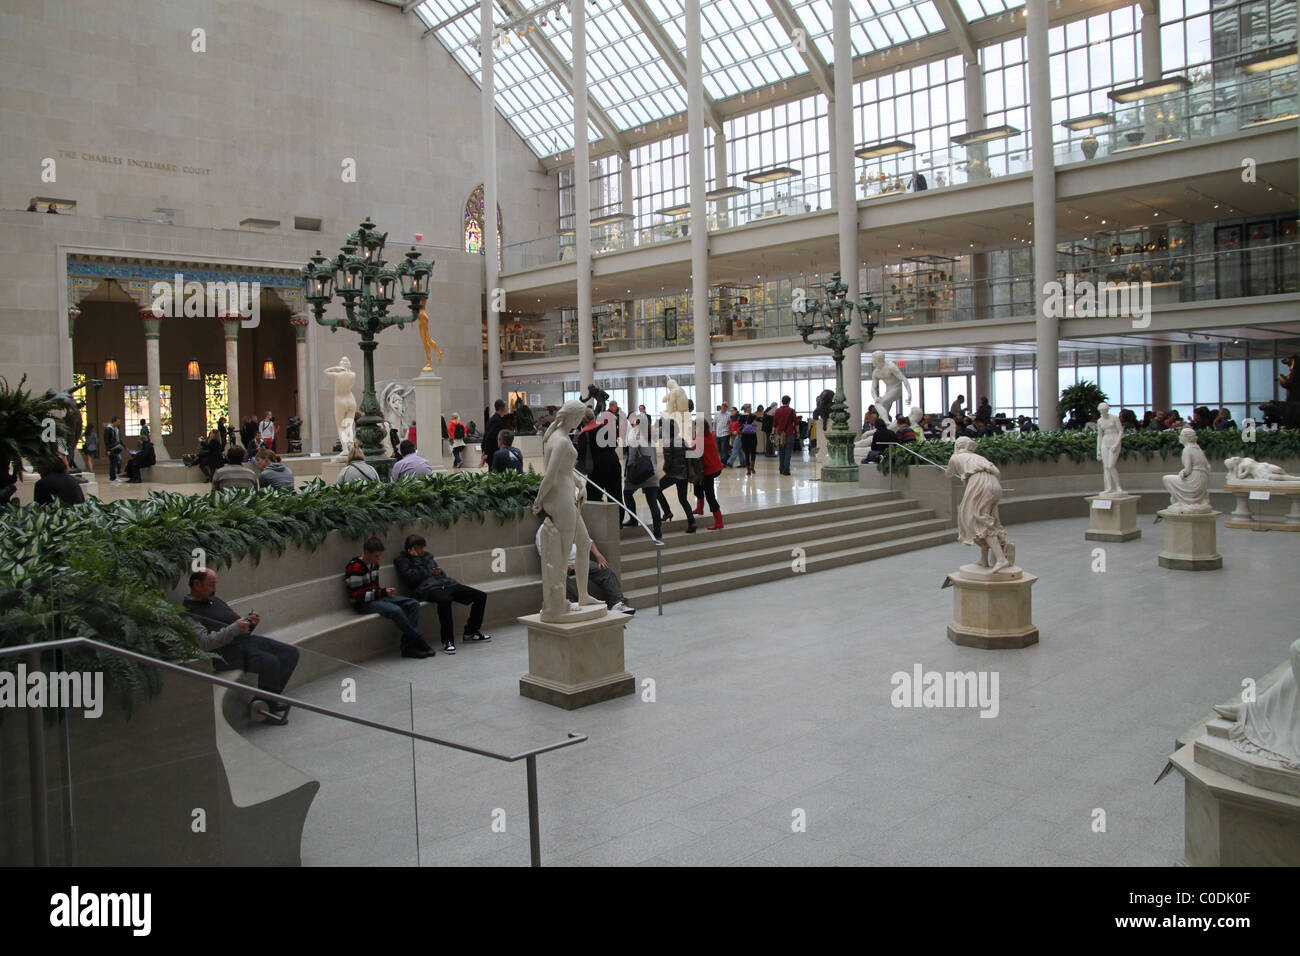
73,314
152,324
300,322
230,325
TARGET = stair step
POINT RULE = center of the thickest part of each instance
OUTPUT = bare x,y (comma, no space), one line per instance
644,597
690,565
706,544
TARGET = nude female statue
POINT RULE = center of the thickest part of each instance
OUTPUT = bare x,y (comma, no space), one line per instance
345,405
888,383
1110,434
1248,469
559,502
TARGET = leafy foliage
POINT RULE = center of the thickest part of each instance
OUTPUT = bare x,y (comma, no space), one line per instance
98,570
1082,397
1080,446
21,427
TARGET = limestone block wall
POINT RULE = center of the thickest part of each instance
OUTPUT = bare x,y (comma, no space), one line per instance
141,129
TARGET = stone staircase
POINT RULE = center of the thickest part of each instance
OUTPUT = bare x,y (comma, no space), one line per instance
758,545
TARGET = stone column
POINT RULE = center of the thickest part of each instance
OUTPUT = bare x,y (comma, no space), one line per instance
633,396
984,381
699,224
582,198
846,203
153,376
490,239
300,325
976,153
1047,327
720,173
1160,378
729,388
230,325
1151,66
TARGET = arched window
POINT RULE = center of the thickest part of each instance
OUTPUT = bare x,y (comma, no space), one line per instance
474,241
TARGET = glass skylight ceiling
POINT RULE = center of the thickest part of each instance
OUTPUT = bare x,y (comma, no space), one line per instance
745,48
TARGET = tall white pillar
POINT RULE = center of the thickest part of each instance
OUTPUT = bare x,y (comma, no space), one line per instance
729,388
153,378
846,202
582,196
230,330
977,153
699,226
1151,65
490,238
300,325
984,382
720,174
1047,327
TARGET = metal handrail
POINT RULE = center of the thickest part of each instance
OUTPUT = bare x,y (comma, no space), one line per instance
529,756
659,565
894,444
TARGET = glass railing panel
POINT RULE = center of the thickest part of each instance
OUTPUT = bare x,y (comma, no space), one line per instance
197,776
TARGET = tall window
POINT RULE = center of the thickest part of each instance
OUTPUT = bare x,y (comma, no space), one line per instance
216,400
924,105
135,408
1006,101
474,241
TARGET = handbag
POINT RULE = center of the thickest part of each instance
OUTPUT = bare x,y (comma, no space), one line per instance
695,471
640,469
749,428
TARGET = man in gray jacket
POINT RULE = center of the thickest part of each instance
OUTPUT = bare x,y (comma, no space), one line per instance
230,634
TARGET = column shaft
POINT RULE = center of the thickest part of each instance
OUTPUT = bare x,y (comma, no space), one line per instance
1047,327
846,202
490,255
1160,378
582,197
230,329
699,225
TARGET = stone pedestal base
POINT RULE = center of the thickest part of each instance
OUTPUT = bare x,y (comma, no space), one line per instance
1190,542
1112,518
428,419
329,470
1244,515
574,665
992,611
1229,822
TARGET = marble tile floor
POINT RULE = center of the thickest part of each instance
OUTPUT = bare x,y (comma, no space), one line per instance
770,700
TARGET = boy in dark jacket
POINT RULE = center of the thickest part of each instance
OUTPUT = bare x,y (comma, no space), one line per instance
361,578
420,572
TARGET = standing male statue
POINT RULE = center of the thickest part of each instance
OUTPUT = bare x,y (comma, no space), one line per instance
888,385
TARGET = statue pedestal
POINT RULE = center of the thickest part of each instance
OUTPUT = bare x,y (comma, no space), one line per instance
992,611
1190,541
329,471
1229,820
576,664
1112,518
428,419
1244,515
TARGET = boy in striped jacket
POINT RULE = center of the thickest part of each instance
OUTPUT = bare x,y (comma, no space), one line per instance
361,578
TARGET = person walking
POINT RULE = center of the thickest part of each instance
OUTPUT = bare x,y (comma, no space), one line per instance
710,468
456,433
737,456
640,474
749,438
674,445
113,447
266,431
720,430
784,432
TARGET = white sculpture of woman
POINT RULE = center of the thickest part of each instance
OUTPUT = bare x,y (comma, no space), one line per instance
1189,490
1270,725
1248,469
977,516
345,405
559,501
888,383
1110,433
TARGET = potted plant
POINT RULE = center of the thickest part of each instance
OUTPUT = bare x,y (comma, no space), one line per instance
1082,397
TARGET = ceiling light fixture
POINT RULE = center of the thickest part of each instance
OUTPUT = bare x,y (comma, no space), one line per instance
1092,121
985,135
1131,94
1270,60
888,148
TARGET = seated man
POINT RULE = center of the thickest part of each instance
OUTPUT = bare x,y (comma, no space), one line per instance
361,578
410,463
507,457
420,571
600,578
231,635
144,458
57,485
233,474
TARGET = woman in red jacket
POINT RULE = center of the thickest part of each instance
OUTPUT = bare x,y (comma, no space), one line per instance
712,467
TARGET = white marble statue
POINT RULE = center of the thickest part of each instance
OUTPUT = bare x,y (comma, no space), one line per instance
559,502
888,385
1270,725
1248,469
395,401
1110,433
977,515
345,405
1189,490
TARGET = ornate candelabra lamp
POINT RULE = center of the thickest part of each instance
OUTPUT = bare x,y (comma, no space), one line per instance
832,316
360,275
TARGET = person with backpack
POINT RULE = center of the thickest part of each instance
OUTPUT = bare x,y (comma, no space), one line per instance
456,434
749,437
507,457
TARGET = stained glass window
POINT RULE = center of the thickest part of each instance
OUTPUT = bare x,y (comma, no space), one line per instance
135,408
474,226
216,400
